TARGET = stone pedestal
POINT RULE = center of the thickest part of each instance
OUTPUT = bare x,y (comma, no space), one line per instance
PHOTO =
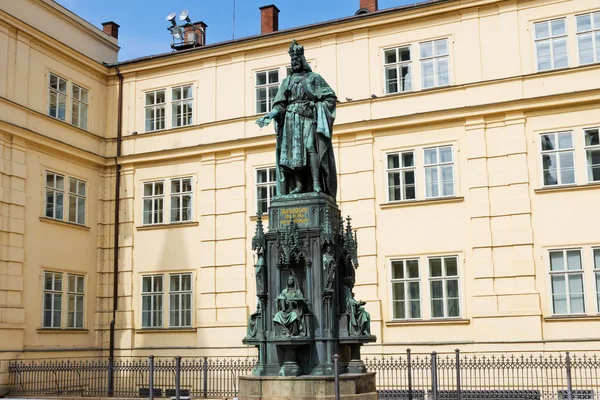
352,386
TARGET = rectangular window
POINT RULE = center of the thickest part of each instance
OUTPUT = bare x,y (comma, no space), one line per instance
566,279
153,203
155,110
180,299
398,70
588,37
592,153
444,287
401,176
406,289
75,301
77,196
558,162
52,312
182,105
267,84
265,188
57,97
79,106
597,276
551,44
55,192
439,172
435,64
152,301
181,199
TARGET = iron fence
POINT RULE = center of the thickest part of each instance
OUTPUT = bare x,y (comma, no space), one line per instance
406,376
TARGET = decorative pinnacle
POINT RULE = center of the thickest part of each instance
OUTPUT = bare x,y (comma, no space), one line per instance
327,234
258,241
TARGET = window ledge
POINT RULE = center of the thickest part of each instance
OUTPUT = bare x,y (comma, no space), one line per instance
58,330
64,223
564,318
441,321
166,226
165,330
568,188
426,202
264,217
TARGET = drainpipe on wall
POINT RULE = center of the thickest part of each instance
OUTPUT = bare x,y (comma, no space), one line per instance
116,242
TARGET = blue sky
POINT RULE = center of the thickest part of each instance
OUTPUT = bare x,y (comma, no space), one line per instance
143,27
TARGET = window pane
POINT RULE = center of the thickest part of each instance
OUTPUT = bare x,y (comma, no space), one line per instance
586,48
597,258
186,282
408,159
157,284
427,74
447,180
393,161
426,49
431,182
187,92
452,288
559,294
565,140
548,142
544,61
430,156
567,169
273,76
576,293
406,76
560,53
451,266
549,167
415,309
146,284
391,78
558,27
445,154
541,30
412,267
399,312
435,267
398,290
390,56
397,269
174,287
441,47
573,260
414,290
404,53
453,308
592,137
584,22
261,78
556,261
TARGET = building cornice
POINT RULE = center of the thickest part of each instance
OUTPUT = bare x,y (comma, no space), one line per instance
70,55
306,33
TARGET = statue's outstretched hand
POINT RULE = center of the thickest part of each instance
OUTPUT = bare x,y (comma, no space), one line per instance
264,121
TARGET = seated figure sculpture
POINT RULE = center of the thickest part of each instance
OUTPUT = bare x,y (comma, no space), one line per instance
289,305
359,319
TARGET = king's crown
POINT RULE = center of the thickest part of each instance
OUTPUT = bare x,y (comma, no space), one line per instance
296,49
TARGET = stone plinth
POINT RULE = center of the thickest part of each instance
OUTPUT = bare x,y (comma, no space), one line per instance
352,386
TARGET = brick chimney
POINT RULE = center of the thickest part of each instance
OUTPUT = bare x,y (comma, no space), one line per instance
111,29
269,19
188,38
367,6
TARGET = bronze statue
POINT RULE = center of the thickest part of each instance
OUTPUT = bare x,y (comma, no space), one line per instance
289,304
253,327
329,265
304,112
359,319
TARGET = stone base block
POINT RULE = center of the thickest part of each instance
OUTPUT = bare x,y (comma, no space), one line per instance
352,387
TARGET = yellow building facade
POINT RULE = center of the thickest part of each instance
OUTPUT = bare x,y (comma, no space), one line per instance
467,143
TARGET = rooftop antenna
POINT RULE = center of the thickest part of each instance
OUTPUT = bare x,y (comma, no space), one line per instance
233,32
187,34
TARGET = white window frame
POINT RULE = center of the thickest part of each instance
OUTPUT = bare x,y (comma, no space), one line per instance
154,200
58,93
77,293
439,165
565,273
557,156
154,107
80,197
56,193
80,106
588,149
401,83
406,280
269,184
401,170
593,32
53,292
181,294
267,86
444,278
551,39
185,118
181,195
152,294
434,58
